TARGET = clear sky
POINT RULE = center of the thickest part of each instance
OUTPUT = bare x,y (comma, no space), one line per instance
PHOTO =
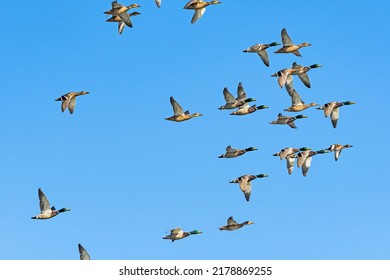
128,175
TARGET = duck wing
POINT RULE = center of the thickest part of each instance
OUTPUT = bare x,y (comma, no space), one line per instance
121,26
43,202
83,253
305,79
302,156
286,40
198,13
115,4
231,221
328,108
241,95
125,17
306,165
282,77
334,116
289,84
177,109
290,160
246,187
229,149
229,98
337,154
296,99
291,124
264,57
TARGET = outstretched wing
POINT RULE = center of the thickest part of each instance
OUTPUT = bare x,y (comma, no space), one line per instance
241,95
306,165
290,159
264,57
125,17
296,99
229,149
229,98
286,40
177,109
198,13
334,116
83,253
43,202
231,221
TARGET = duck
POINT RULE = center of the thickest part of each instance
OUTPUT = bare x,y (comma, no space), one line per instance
260,49
233,225
69,100
337,148
287,120
118,9
301,72
297,104
47,212
178,233
246,109
200,7
289,153
332,109
84,256
179,114
288,46
231,102
121,23
232,152
245,182
305,158
158,3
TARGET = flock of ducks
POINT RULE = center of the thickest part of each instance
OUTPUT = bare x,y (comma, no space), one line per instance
119,13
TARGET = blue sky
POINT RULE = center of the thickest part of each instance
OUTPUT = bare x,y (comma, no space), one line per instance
129,175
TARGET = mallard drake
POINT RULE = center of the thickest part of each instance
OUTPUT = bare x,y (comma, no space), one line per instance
232,152
231,102
245,183
69,100
118,9
260,49
121,23
288,46
332,109
305,158
83,253
290,155
178,233
46,211
246,109
297,104
287,120
200,7
179,115
337,148
158,3
233,225
301,71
